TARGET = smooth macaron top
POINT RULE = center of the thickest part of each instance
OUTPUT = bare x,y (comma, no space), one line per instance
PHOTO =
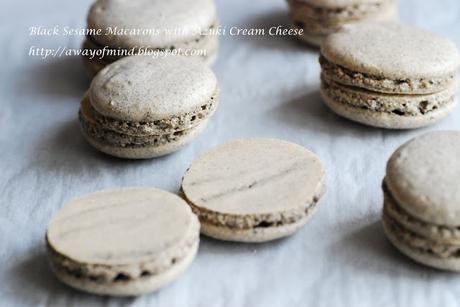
423,176
391,50
253,177
172,21
143,89
121,227
341,3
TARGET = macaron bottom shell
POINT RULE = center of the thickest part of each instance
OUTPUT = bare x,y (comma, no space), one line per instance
176,142
387,120
253,235
133,287
418,255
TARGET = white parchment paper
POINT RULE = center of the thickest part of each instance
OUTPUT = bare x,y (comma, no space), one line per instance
269,88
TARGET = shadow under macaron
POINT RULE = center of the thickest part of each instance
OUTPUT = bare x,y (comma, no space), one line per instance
367,251
32,282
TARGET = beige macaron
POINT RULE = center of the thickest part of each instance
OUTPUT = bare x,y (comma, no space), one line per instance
389,75
421,214
319,18
176,26
122,242
254,190
141,107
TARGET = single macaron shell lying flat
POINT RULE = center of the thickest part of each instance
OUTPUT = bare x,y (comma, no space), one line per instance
389,75
320,18
421,212
122,242
140,107
177,25
254,190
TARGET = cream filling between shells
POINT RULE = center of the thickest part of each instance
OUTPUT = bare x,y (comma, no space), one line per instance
408,105
346,76
403,226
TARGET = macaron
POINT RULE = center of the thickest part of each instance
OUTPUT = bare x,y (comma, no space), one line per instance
421,214
178,26
389,75
319,18
123,242
254,190
141,107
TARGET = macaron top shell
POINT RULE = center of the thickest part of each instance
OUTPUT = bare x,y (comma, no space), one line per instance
142,88
253,177
423,175
121,227
172,21
341,3
391,50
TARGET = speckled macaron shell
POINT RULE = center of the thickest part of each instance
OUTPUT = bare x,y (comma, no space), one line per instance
144,89
390,58
207,45
422,200
318,19
254,190
415,248
388,111
176,21
122,242
424,177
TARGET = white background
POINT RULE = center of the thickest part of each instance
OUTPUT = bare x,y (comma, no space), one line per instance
269,88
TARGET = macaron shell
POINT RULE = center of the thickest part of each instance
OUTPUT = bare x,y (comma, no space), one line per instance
209,43
386,120
433,232
391,50
99,228
143,285
147,151
254,235
175,20
254,176
449,264
334,4
141,88
423,176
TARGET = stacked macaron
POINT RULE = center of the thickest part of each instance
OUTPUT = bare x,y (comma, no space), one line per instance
421,214
142,107
389,75
182,26
318,18
254,190
122,242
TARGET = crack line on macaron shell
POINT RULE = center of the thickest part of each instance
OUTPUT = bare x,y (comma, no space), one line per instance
419,105
121,273
255,183
343,75
396,212
173,124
